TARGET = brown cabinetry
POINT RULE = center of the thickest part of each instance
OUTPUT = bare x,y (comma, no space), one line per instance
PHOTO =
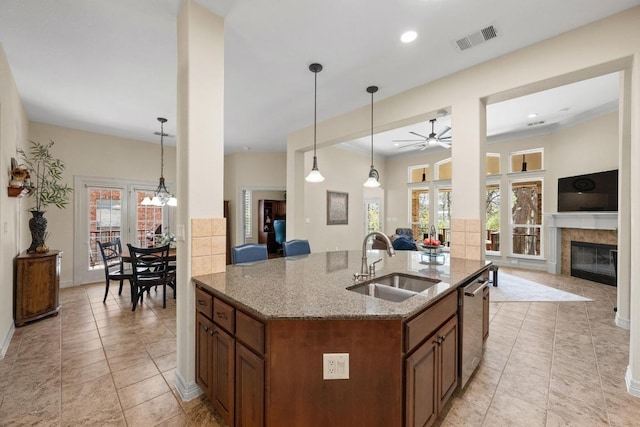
228,369
36,286
431,370
269,211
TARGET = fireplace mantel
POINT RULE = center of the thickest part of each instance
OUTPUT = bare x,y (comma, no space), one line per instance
588,220
581,220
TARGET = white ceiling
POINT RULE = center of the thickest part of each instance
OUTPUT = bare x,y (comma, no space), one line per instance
110,66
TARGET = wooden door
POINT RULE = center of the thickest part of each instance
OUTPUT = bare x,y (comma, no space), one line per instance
421,377
222,373
447,361
249,388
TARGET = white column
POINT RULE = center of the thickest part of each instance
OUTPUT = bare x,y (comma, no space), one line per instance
624,202
468,182
633,370
200,161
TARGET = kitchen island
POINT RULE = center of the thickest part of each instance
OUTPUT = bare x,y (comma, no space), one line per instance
264,330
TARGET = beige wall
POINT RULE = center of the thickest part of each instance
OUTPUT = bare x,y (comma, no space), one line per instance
93,155
255,171
13,134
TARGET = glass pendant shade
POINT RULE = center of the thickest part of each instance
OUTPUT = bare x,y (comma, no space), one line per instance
372,181
314,175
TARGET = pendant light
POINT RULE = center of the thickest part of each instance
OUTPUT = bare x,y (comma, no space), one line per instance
424,174
372,181
524,164
315,175
161,196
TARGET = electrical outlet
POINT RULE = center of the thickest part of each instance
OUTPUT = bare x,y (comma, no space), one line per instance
335,366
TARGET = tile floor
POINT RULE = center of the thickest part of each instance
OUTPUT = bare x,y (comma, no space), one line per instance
545,364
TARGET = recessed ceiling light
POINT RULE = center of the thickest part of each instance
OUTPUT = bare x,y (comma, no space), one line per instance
532,115
408,37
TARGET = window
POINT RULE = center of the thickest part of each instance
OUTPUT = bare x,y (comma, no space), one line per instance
373,212
526,217
443,169
493,164
419,211
104,219
247,214
493,217
526,161
444,214
419,174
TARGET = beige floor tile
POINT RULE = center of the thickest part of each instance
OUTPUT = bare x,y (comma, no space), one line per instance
566,410
137,393
154,411
132,374
77,374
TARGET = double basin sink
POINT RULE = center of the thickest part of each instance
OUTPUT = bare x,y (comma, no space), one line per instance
394,287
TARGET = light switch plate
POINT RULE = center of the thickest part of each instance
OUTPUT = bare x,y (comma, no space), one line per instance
335,366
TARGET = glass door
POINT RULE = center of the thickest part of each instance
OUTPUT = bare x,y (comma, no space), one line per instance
108,209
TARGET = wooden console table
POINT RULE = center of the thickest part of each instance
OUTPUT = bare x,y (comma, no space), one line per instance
36,286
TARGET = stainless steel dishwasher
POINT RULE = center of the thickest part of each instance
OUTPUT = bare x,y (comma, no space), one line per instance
470,299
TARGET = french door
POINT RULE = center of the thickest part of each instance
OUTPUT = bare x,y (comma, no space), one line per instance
107,209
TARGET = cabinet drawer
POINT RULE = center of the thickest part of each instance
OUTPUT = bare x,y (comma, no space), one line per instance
223,315
204,302
250,332
424,324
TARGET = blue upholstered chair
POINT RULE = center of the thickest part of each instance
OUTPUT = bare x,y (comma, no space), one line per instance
280,229
296,247
249,253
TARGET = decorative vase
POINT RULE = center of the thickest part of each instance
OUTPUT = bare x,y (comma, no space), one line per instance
38,228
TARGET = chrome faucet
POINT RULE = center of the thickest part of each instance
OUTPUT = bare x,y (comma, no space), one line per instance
364,269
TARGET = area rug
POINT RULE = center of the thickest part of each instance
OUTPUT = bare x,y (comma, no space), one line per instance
516,289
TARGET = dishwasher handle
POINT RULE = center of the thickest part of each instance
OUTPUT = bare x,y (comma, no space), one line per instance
469,290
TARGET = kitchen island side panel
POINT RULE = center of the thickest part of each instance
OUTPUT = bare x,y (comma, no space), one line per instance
298,395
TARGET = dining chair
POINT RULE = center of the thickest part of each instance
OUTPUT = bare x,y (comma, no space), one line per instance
151,269
280,230
296,247
114,269
249,252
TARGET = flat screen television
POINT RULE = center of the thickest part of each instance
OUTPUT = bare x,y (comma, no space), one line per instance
590,192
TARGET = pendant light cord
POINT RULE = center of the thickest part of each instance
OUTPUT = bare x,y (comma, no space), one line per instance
161,149
372,129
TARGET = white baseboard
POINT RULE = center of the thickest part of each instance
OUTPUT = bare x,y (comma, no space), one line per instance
623,323
4,345
633,385
186,390
67,284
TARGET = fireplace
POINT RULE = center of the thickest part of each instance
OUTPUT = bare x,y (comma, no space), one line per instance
593,261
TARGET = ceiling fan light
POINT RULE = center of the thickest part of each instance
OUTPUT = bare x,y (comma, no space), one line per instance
408,37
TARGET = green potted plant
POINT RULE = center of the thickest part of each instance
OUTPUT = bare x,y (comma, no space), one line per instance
46,188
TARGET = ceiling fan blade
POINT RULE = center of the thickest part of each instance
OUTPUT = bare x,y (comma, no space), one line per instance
408,140
424,147
417,134
443,131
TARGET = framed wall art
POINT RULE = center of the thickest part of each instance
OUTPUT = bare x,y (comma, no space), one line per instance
337,208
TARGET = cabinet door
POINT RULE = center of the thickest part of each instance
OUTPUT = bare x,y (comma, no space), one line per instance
204,351
249,388
448,361
222,373
421,375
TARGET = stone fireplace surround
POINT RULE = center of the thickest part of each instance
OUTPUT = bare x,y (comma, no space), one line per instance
592,227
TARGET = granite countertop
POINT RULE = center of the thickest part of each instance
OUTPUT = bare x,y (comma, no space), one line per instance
315,286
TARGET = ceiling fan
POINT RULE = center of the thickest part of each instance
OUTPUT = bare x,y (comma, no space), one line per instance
428,141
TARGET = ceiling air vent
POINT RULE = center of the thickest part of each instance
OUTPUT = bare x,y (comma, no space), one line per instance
538,123
477,38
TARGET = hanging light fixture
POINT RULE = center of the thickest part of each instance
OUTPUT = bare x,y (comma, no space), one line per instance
372,181
315,175
161,196
424,174
524,164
